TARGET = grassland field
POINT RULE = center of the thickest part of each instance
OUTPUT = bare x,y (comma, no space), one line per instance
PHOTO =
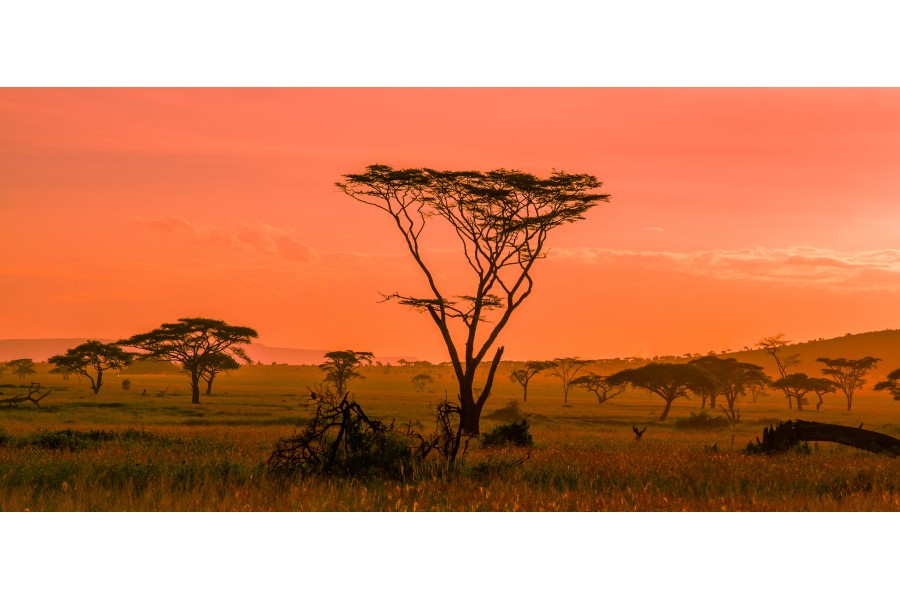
138,450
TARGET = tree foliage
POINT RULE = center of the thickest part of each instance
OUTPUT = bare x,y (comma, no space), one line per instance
501,219
194,343
890,384
732,379
775,347
218,363
22,367
668,381
341,367
798,385
848,374
523,376
91,359
600,385
421,380
566,369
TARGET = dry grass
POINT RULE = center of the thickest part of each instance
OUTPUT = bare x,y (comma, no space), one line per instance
130,451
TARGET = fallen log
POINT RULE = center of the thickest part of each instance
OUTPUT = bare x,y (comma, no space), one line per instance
783,436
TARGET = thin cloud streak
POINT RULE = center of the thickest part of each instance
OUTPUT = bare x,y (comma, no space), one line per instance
262,237
796,265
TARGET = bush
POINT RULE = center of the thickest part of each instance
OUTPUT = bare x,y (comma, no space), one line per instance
512,434
702,420
126,384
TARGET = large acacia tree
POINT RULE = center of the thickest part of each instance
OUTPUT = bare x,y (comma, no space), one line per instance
501,219
91,359
194,343
666,380
848,374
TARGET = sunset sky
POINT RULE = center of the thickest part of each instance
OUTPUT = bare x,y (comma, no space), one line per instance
735,213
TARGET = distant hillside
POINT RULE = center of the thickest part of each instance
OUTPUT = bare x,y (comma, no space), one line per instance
40,350
880,344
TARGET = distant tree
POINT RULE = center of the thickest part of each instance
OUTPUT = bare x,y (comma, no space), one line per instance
798,385
502,219
668,381
523,376
600,385
215,365
756,390
22,367
732,379
341,366
566,369
890,384
3,368
193,342
848,374
774,346
92,359
61,371
421,380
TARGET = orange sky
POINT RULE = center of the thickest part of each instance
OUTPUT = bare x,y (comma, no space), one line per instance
735,213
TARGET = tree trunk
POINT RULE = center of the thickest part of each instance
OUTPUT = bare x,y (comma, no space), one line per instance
799,402
665,412
525,392
209,385
470,415
98,383
849,402
195,387
712,401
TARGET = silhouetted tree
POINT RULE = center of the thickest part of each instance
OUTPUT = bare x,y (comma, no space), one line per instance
523,376
61,371
215,365
566,369
668,381
848,374
421,380
774,346
711,364
732,379
92,359
22,367
798,385
890,384
600,385
193,342
502,219
341,366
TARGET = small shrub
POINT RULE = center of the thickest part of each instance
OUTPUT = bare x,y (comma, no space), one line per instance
126,384
512,434
702,420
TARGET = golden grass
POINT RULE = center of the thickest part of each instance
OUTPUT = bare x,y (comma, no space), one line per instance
162,453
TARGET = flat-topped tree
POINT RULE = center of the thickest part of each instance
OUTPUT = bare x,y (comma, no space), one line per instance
501,219
92,359
798,385
22,367
890,384
600,385
341,367
218,363
667,380
523,376
194,343
848,374
566,369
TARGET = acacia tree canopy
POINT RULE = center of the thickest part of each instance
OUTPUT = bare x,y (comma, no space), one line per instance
667,380
523,376
340,368
194,343
501,219
22,367
848,374
890,384
798,385
91,359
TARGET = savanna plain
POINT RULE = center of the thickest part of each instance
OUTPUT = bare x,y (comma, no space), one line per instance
148,448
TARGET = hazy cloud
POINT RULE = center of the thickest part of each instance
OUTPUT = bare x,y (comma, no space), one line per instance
262,237
799,265
658,229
